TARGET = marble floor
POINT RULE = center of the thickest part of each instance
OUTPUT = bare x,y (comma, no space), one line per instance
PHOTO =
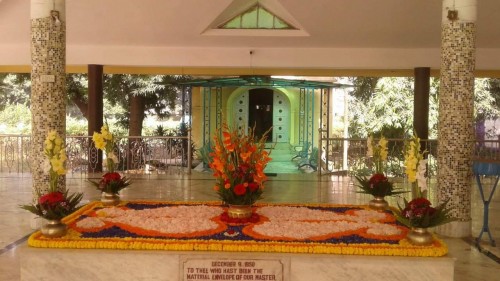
471,263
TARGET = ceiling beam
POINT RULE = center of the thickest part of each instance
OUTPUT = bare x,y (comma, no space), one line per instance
227,71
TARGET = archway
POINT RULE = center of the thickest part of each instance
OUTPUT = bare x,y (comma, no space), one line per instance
263,108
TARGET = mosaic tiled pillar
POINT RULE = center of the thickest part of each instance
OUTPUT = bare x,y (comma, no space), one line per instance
456,109
48,82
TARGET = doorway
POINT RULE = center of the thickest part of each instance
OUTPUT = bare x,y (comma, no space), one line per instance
260,112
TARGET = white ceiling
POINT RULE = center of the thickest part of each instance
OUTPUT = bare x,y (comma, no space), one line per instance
342,34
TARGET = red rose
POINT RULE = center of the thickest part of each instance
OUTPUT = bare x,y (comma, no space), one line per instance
51,199
109,177
240,189
377,178
253,186
419,203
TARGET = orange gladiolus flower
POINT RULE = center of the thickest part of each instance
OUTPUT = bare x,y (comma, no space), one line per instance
245,155
238,163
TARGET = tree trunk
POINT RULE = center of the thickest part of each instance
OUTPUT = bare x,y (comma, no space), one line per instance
136,107
82,106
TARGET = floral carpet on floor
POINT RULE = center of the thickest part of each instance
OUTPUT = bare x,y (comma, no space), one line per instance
204,226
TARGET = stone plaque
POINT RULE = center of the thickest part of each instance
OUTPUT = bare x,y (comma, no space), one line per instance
231,269
48,78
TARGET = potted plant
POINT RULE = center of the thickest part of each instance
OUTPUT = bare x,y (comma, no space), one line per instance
377,185
419,215
111,182
54,204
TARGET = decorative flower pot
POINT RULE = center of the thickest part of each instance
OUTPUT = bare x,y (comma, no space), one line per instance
110,199
54,229
419,236
239,211
378,203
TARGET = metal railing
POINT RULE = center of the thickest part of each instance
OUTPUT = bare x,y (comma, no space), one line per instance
141,155
344,156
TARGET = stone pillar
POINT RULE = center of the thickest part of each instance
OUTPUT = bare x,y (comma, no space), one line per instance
48,82
456,107
421,102
95,109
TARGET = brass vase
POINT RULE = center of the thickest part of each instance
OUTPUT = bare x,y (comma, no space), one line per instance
54,229
378,203
239,211
110,199
419,236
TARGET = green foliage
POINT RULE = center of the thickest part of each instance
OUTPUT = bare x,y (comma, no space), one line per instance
15,119
14,89
160,131
388,110
160,94
76,126
56,211
380,189
423,216
364,87
485,101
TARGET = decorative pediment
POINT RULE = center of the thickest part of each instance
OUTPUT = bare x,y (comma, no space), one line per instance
255,18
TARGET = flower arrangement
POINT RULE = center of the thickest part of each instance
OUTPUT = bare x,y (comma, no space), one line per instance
105,141
378,184
416,167
55,204
111,182
238,162
378,152
418,213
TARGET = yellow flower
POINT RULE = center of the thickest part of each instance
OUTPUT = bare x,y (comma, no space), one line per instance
412,158
58,141
383,148
48,144
62,155
99,141
51,135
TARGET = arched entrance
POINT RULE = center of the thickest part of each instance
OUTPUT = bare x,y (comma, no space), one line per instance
263,108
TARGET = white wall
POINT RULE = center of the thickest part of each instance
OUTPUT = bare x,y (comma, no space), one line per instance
322,58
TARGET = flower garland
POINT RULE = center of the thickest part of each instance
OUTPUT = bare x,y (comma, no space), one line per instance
310,228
